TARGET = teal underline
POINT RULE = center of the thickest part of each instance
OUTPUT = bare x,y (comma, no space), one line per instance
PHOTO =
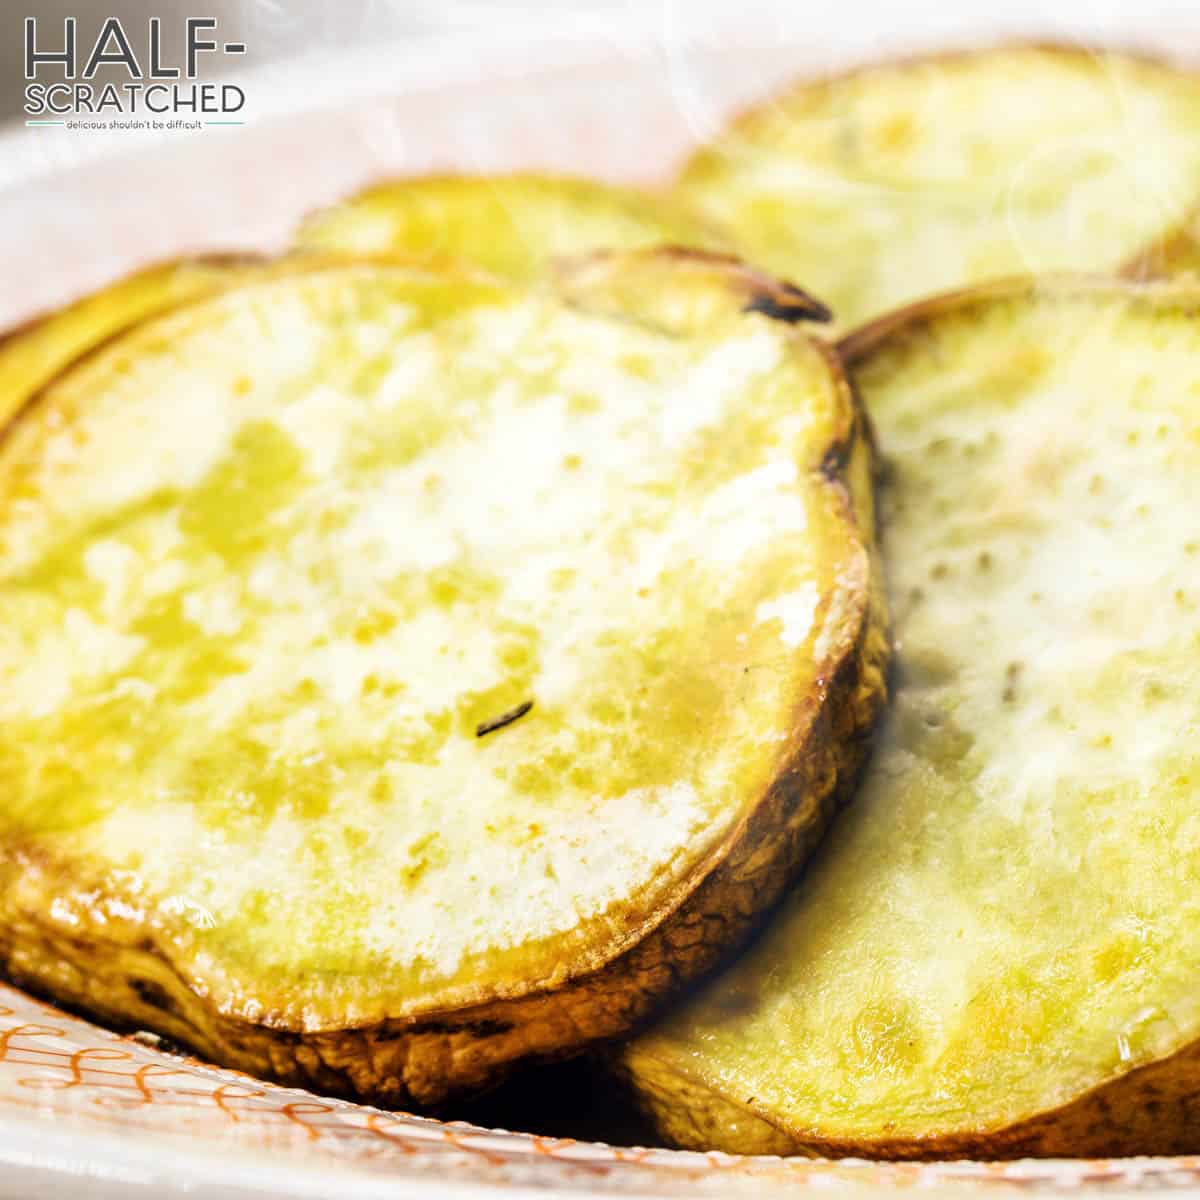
206,122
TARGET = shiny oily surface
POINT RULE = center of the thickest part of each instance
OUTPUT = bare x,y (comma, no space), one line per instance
1007,917
270,561
891,182
514,226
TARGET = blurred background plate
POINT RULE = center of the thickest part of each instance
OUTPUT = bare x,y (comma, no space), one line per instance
618,90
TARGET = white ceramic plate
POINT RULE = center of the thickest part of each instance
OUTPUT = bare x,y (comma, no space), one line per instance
619,93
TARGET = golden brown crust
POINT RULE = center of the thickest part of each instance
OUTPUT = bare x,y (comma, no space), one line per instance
428,1059
1150,1110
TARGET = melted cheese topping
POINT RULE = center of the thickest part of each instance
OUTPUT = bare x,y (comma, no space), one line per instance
1010,912
269,562
898,181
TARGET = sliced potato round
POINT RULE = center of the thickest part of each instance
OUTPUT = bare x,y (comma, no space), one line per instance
998,953
402,674
34,353
515,226
895,181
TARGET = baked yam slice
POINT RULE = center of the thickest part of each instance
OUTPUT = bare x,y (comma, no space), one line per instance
402,675
998,953
514,226
906,178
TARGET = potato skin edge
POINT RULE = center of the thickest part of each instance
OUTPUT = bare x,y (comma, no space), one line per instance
127,979
1151,1109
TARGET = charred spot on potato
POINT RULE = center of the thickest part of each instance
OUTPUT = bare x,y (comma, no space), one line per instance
789,305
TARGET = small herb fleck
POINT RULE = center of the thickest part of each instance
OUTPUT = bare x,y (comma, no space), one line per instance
1012,677
505,718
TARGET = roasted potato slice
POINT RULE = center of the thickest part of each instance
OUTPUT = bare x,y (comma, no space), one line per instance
33,354
998,953
402,674
515,226
899,180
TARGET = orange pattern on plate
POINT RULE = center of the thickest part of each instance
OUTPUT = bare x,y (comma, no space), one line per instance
48,1057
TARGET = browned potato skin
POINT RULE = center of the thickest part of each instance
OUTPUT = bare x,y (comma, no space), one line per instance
1177,254
1152,1109
113,968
